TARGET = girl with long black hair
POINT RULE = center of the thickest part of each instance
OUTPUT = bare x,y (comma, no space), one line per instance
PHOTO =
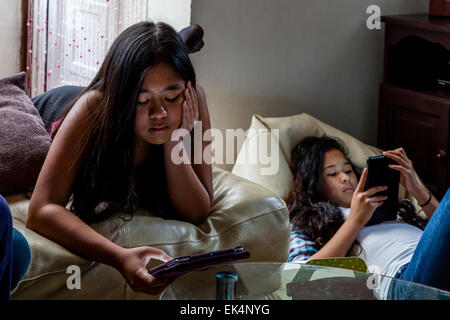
113,151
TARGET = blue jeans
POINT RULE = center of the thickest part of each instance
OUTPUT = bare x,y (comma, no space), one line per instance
430,264
14,252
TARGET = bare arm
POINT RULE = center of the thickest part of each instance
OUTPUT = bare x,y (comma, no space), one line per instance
47,213
422,197
190,185
341,242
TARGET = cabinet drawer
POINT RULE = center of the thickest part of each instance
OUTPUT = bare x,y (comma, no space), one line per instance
419,123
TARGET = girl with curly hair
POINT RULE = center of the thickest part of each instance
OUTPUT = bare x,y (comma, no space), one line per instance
329,210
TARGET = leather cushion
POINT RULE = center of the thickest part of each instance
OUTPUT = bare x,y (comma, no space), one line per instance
243,213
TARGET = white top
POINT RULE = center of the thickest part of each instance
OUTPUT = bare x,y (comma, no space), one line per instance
387,246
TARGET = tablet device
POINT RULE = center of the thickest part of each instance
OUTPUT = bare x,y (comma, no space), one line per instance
379,174
181,265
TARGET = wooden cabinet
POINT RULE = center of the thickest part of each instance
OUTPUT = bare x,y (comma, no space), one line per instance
415,118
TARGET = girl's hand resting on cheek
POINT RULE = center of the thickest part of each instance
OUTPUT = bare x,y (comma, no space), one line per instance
363,204
190,108
133,266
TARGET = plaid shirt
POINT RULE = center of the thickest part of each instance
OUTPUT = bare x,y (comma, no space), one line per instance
301,247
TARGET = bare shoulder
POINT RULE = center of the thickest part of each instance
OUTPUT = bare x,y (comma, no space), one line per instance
93,96
84,105
71,136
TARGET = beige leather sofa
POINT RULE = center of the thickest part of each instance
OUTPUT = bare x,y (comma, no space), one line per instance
291,130
243,213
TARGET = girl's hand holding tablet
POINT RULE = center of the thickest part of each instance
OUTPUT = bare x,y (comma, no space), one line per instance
133,266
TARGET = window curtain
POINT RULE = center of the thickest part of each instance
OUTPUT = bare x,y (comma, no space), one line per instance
68,39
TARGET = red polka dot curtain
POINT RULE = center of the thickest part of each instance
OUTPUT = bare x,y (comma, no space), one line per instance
68,39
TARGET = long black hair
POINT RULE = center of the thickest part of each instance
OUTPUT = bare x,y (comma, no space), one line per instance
310,211
106,180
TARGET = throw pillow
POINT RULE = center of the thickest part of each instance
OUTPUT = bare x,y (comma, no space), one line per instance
24,142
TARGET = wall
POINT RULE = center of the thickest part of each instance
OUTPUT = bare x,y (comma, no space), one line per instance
10,33
278,58
175,12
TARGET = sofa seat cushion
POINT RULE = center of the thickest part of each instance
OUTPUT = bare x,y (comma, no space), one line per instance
243,213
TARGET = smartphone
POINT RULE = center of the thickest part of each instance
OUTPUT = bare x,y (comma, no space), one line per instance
379,174
181,265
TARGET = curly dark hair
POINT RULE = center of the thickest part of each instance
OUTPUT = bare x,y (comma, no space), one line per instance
307,168
322,220
309,210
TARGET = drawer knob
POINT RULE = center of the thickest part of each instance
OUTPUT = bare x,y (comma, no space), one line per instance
441,155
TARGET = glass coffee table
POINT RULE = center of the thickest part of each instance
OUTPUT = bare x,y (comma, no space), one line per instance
296,281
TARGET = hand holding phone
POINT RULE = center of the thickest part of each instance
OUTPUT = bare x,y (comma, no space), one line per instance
364,203
406,169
